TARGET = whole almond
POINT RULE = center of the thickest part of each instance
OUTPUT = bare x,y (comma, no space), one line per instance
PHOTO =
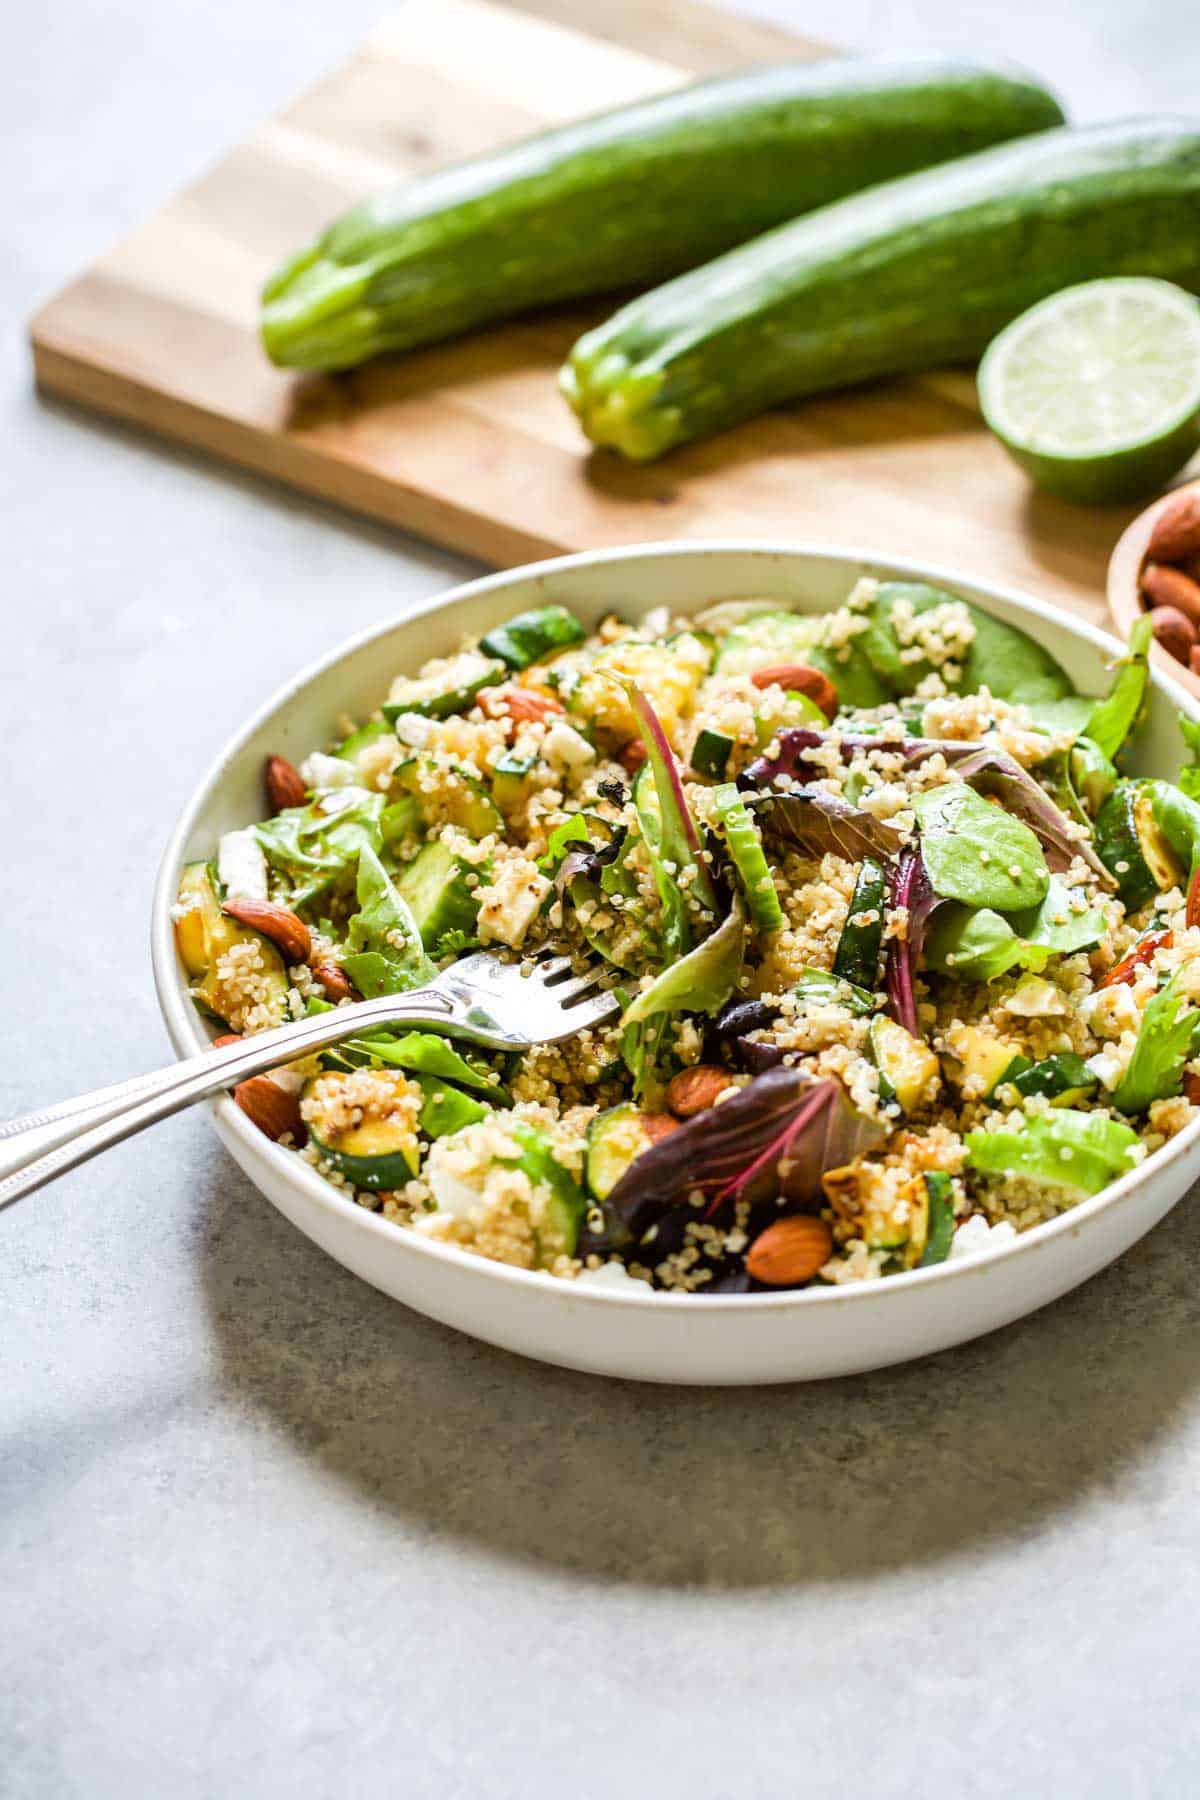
693,1091
1176,531
1174,631
658,1126
632,755
268,1106
522,705
1171,587
1191,1088
790,1251
284,784
289,934
334,981
800,678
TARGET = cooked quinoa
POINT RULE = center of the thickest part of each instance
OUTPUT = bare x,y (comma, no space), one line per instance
900,944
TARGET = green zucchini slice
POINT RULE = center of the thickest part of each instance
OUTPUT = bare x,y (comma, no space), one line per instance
615,1139
203,935
711,753
939,1218
437,888
1132,847
861,944
379,1152
448,795
1064,1080
746,853
530,636
906,1065
451,689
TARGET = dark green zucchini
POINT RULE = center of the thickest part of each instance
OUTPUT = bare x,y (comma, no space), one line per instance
939,1218
531,635
711,753
452,690
629,197
916,272
1132,846
1065,1079
856,958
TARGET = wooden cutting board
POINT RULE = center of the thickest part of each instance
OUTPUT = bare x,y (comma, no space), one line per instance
469,444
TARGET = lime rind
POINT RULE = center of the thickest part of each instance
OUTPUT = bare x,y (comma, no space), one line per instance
1095,391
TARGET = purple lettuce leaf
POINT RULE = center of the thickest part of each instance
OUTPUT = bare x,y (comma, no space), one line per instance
680,838
984,767
911,889
775,1137
813,822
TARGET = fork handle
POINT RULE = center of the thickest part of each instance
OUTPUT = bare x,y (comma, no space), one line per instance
43,1144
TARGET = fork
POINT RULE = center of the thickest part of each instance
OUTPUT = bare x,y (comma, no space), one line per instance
479,998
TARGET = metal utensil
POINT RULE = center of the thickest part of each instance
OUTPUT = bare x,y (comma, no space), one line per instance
479,998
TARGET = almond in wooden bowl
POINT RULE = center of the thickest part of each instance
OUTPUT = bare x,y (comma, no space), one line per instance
1154,568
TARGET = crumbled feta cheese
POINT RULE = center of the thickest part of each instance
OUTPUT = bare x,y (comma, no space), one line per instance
565,748
322,772
508,907
976,1237
241,865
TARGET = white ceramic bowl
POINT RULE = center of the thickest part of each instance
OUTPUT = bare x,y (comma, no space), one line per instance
657,1337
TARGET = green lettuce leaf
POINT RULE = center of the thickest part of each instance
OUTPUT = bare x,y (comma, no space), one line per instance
1168,1038
1114,719
314,846
1076,1152
386,954
703,980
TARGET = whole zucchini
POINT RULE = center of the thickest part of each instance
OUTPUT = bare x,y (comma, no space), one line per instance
919,271
629,197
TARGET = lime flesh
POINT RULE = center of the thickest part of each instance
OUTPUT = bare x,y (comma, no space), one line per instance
1095,392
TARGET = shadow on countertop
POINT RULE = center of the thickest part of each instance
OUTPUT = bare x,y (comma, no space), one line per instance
718,1488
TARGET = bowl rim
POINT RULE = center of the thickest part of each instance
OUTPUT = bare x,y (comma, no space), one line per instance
185,1031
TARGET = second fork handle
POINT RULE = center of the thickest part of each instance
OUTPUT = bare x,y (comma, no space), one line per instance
43,1144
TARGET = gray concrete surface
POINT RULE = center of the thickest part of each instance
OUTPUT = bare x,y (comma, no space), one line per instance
265,1533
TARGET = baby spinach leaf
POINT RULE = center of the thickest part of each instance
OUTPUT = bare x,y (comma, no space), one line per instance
1078,1152
1001,658
386,955
977,853
1167,1039
980,945
977,944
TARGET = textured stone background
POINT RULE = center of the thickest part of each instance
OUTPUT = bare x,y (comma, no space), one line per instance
264,1532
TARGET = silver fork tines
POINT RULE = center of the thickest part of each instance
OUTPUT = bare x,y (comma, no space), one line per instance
479,998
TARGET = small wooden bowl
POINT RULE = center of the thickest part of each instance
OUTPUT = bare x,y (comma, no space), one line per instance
1124,590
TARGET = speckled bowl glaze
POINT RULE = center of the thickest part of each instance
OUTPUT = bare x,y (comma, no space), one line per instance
740,1339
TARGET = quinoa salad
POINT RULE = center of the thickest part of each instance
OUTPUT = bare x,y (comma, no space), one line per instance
908,962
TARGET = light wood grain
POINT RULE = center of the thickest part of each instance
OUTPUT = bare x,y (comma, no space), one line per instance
469,443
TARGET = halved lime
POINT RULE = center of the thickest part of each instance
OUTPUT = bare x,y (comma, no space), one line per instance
1096,391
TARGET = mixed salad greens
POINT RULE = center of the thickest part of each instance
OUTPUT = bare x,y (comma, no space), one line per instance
900,939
